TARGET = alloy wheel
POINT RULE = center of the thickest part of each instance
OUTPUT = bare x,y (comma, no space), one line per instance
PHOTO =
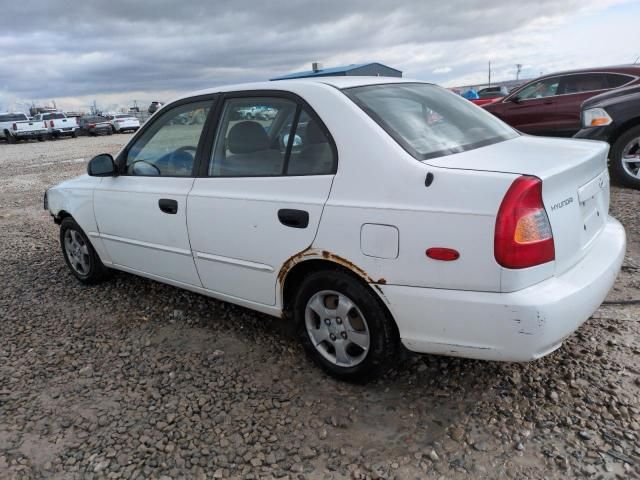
77,252
337,328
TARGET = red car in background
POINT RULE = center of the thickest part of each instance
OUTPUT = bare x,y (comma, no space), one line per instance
550,105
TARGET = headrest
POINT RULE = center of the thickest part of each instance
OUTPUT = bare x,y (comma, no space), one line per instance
247,137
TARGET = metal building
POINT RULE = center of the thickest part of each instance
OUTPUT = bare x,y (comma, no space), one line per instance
361,69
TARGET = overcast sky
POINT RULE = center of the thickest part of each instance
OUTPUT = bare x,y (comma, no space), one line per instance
116,51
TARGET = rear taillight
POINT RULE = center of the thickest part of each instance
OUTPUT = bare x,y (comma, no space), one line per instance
14,126
51,123
92,125
523,236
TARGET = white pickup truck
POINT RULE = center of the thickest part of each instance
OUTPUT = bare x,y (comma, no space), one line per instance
58,124
17,126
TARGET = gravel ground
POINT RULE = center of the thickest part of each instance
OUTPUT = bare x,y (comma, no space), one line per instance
134,379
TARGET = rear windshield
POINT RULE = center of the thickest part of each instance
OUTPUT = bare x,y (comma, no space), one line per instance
12,117
429,121
53,116
123,116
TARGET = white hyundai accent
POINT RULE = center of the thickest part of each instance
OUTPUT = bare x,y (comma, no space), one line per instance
371,212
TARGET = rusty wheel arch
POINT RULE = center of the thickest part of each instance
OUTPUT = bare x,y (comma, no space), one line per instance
310,259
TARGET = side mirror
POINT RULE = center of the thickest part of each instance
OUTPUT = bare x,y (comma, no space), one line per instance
102,166
515,99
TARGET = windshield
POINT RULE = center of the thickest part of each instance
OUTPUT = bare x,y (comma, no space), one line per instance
429,121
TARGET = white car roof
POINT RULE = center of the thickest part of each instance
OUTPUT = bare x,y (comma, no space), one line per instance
338,82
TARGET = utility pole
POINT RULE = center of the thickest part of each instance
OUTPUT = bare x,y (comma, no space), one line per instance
489,72
518,69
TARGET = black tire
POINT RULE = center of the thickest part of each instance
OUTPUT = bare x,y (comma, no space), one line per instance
618,171
10,138
41,138
74,134
383,335
95,271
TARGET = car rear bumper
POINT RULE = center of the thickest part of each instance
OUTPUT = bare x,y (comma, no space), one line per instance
64,131
30,133
516,326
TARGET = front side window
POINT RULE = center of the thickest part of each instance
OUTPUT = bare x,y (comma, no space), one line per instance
168,147
428,121
261,137
540,89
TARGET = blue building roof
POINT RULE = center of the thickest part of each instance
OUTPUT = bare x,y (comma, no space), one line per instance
334,71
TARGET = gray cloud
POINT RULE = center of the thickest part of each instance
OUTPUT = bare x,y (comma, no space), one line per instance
66,49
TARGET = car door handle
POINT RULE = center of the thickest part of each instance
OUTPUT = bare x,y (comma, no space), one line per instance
168,205
548,102
293,218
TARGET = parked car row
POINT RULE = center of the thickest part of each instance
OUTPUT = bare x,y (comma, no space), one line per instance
17,126
599,103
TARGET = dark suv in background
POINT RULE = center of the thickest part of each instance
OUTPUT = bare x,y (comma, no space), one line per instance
614,117
550,105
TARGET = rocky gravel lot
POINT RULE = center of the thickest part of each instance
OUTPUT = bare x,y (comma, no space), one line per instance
134,379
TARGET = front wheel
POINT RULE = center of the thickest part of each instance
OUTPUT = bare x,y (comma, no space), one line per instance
625,158
74,134
344,327
79,254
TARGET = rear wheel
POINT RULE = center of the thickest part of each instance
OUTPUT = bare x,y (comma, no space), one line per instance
79,254
41,138
344,327
10,138
74,134
625,158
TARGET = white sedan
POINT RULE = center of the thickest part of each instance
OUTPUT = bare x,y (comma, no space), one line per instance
371,212
124,123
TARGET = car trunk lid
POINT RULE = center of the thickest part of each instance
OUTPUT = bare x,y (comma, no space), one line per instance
575,185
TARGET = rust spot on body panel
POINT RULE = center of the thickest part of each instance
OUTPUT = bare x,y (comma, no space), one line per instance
311,253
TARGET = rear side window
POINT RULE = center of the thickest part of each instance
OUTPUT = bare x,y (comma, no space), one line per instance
13,117
311,150
582,82
264,136
429,121
615,80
